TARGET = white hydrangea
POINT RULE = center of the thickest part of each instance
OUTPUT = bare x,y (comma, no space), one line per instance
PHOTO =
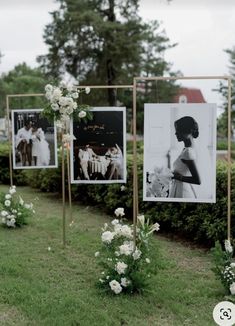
115,286
107,236
121,267
82,114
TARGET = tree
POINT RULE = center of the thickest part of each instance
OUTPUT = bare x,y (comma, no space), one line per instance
103,41
222,123
21,80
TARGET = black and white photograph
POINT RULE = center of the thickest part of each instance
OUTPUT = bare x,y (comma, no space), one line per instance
34,140
180,152
98,152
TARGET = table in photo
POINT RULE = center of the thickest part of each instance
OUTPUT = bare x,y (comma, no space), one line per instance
99,165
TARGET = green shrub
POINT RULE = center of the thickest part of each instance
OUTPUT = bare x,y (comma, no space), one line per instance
200,222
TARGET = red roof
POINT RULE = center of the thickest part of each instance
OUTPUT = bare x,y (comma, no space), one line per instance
189,95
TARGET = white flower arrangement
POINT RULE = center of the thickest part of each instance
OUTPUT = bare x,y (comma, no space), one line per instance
126,266
224,267
63,104
14,211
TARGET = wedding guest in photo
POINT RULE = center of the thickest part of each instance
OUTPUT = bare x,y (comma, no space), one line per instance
185,170
24,143
116,163
84,156
40,147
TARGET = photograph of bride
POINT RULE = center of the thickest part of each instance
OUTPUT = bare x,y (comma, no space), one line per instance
34,140
180,152
98,152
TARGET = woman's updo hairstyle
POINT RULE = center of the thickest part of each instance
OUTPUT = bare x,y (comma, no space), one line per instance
187,125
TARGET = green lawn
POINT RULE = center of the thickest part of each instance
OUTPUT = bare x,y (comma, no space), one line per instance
58,287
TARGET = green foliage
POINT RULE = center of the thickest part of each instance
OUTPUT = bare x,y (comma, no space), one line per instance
22,80
107,42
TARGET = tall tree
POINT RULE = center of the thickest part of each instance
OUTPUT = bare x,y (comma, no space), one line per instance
21,80
103,41
222,124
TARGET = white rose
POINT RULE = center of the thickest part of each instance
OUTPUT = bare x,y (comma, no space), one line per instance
147,260
87,90
232,265
82,114
49,96
107,237
62,84
69,110
121,267
125,282
75,95
7,203
8,196
55,107
97,253
115,286
119,211
136,255
70,88
48,88
232,288
4,213
228,246
75,105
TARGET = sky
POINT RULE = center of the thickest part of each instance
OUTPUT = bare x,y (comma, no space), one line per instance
201,28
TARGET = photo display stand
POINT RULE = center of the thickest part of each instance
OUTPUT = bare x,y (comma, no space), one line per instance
8,97
130,87
135,176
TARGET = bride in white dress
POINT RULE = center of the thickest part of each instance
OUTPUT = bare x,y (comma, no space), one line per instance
185,170
40,148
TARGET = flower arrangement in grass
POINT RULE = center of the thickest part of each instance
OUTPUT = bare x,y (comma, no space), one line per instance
64,104
14,211
224,266
126,266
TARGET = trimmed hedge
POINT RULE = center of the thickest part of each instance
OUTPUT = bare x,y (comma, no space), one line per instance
203,223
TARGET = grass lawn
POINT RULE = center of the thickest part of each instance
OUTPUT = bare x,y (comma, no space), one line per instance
58,287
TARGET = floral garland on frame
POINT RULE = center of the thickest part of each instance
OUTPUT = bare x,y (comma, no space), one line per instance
63,104
126,268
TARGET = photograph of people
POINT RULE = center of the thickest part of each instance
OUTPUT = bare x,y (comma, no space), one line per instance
34,140
180,152
98,152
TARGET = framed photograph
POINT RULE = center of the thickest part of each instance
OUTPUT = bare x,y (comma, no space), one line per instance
180,152
98,152
34,140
